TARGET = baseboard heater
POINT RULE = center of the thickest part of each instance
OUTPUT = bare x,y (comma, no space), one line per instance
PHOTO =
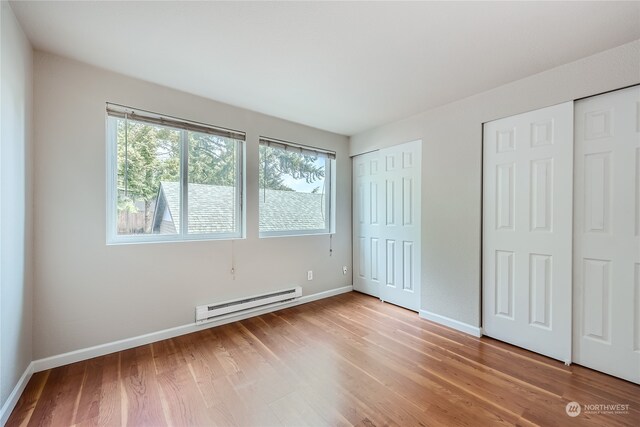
211,312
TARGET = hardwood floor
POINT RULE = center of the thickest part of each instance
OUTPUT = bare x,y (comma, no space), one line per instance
346,360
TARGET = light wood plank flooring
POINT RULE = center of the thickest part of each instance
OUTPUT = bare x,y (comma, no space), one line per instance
346,360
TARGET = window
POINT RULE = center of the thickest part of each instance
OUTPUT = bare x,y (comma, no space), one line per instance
170,179
295,189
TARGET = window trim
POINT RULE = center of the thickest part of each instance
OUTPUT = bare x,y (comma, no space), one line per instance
329,176
113,113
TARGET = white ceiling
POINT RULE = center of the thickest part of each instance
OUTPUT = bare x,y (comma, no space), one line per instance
343,67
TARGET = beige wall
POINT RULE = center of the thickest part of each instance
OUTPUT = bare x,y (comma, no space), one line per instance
452,167
88,293
16,286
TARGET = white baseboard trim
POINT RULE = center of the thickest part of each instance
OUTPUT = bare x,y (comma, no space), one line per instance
102,349
12,400
452,323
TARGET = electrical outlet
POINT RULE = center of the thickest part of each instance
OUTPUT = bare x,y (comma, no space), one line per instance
344,269
310,275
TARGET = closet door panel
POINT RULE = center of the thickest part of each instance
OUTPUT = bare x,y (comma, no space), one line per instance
527,227
607,233
386,224
366,224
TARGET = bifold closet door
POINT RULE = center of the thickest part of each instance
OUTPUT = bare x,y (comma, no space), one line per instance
607,233
367,206
527,230
386,224
401,217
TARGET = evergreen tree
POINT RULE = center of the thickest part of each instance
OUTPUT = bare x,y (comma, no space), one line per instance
146,156
275,164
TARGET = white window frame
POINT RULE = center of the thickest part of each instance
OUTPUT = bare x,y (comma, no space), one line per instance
330,195
182,235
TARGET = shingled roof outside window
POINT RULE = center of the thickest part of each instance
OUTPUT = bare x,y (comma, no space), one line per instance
211,209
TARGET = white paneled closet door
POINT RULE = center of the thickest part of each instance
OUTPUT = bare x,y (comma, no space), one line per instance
401,227
386,224
527,230
607,233
366,223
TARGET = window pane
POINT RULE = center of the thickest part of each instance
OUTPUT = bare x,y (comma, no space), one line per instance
293,191
213,184
148,178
